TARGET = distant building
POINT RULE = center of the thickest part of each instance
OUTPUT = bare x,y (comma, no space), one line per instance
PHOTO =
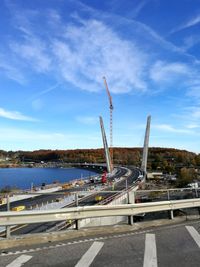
170,177
193,185
154,175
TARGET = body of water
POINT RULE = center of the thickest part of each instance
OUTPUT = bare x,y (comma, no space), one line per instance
23,177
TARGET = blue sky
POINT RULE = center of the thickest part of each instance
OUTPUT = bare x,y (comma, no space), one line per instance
53,55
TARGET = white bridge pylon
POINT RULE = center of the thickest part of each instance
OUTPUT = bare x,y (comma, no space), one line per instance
146,146
106,149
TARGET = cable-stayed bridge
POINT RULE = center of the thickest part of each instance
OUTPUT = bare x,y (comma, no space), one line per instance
79,214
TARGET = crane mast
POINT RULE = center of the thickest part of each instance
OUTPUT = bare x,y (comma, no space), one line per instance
111,121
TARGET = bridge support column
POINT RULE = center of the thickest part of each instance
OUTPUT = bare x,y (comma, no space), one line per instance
145,148
106,149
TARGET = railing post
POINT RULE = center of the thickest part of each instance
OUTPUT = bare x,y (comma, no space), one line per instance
77,222
168,196
196,192
8,209
171,212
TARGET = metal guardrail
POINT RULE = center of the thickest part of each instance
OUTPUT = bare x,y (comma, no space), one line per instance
27,217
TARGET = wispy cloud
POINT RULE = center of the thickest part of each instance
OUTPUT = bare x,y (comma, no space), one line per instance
190,41
18,139
46,91
142,28
88,120
193,126
11,71
170,128
34,51
164,71
138,8
83,51
14,115
121,61
191,22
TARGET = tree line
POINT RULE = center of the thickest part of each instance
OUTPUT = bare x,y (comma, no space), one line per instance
166,159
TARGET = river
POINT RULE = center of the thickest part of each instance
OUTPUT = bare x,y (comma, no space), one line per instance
22,178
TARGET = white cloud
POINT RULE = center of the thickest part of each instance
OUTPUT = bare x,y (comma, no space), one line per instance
140,27
14,115
170,128
37,104
163,71
94,50
192,126
196,113
194,89
87,120
11,71
82,53
34,51
190,41
18,134
23,139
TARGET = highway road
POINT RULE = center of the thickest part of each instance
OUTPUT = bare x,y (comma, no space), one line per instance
52,197
176,245
89,200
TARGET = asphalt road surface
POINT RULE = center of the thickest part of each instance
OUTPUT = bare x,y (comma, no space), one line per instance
177,245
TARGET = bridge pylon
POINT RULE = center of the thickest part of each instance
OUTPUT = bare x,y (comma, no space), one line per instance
146,146
106,149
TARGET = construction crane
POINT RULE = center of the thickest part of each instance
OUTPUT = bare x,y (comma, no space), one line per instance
111,122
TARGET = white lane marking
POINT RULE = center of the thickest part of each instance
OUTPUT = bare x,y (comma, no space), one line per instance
19,261
195,235
89,256
150,254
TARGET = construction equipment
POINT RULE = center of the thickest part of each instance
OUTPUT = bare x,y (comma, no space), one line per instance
18,208
111,122
104,178
2,201
99,198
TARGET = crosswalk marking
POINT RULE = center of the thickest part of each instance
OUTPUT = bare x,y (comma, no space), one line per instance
89,256
19,261
195,235
150,253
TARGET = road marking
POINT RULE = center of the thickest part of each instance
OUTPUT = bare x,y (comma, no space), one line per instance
195,235
19,261
150,254
110,236
89,256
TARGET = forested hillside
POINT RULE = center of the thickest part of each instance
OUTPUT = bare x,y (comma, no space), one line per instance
159,158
